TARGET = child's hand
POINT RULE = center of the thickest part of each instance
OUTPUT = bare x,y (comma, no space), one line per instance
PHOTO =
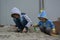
24,30
53,33
53,30
34,25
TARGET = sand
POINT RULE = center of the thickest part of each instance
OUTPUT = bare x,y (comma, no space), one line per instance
7,33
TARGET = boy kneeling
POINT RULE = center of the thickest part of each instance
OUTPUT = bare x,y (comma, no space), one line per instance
44,24
21,20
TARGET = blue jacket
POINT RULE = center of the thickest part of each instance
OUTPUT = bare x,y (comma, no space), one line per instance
47,24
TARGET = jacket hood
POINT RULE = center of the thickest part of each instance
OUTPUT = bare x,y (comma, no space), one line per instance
15,10
43,14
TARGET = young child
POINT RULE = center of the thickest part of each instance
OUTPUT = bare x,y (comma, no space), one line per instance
21,20
44,24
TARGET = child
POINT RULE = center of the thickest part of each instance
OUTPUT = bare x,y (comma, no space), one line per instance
21,20
44,24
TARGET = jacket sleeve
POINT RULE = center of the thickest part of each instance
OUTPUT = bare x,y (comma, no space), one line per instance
29,21
15,22
52,25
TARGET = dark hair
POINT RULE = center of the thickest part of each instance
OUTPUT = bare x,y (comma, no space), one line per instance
14,14
44,18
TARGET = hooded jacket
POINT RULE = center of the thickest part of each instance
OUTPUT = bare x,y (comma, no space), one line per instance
25,20
48,23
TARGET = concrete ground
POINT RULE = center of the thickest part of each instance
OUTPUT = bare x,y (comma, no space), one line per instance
6,33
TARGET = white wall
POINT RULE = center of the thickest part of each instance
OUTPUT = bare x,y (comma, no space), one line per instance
31,7
53,9
0,13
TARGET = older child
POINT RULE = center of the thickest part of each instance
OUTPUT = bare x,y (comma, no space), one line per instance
44,24
21,20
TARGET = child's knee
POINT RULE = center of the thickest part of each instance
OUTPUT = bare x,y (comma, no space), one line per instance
41,28
48,29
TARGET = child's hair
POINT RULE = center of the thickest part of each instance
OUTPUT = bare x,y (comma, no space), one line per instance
44,18
14,14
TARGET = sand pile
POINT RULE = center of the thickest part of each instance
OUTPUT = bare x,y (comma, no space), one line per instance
7,33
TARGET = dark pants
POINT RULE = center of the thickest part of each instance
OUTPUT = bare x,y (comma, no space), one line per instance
20,29
46,30
21,25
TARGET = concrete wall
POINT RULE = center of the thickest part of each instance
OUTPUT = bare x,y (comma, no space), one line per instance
31,7
53,9
0,13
